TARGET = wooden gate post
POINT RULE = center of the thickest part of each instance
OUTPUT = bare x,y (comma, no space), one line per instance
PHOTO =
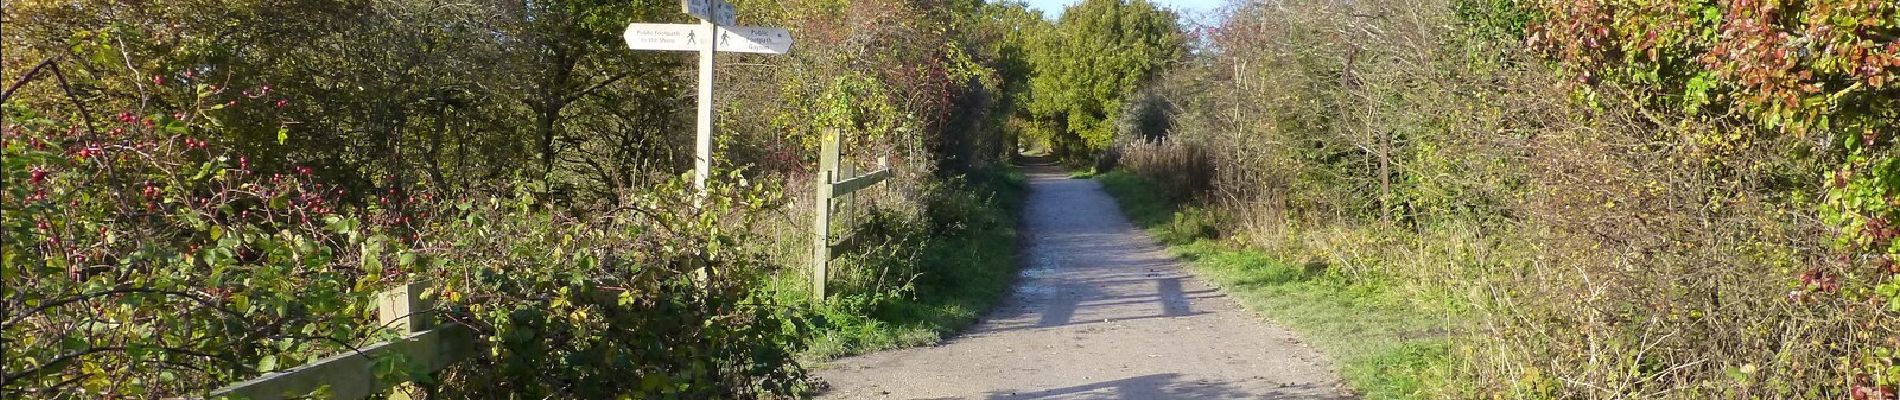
821,210
404,310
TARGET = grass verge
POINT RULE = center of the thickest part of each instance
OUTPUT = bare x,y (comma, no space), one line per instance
964,275
1383,347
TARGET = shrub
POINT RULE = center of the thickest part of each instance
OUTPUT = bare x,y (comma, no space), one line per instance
574,307
142,259
145,259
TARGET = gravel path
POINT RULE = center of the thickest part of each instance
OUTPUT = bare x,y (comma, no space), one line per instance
1100,312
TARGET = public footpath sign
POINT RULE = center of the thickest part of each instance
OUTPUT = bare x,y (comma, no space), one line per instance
686,37
753,39
714,33
665,37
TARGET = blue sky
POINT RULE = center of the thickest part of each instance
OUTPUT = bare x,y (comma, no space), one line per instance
1193,9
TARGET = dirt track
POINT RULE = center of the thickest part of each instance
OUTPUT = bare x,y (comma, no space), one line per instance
1100,311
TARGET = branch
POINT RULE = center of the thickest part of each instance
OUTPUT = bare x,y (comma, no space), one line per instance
62,359
69,357
597,86
83,113
25,78
15,319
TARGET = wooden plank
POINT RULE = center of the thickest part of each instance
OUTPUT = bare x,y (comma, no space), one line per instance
859,183
352,375
847,243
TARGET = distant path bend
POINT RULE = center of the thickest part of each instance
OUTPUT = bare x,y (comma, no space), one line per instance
1100,311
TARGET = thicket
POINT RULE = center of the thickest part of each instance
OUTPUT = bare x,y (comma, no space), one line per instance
198,192
1614,199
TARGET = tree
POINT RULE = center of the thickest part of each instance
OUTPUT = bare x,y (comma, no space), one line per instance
1007,34
1099,53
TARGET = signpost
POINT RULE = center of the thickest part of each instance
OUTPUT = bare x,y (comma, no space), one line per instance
684,37
718,11
708,37
714,33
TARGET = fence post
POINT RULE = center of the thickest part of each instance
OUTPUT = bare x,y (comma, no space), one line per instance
821,210
404,310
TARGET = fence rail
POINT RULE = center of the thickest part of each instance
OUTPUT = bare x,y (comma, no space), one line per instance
354,375
830,188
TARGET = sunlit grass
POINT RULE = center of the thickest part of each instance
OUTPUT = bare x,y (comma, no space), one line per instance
1383,347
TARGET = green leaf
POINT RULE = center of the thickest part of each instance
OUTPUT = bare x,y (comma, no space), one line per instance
267,364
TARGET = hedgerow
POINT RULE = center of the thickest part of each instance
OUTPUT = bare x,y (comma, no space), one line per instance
1611,199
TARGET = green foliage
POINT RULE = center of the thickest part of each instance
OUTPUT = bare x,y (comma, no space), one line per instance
861,110
1099,53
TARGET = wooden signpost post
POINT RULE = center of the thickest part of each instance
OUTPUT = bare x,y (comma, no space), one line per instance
713,34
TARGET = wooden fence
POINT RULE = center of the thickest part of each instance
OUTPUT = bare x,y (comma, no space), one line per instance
425,347
834,182
354,375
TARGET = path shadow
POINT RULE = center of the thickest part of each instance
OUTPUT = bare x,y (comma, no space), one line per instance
1160,387
1168,295
1081,270
1056,301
